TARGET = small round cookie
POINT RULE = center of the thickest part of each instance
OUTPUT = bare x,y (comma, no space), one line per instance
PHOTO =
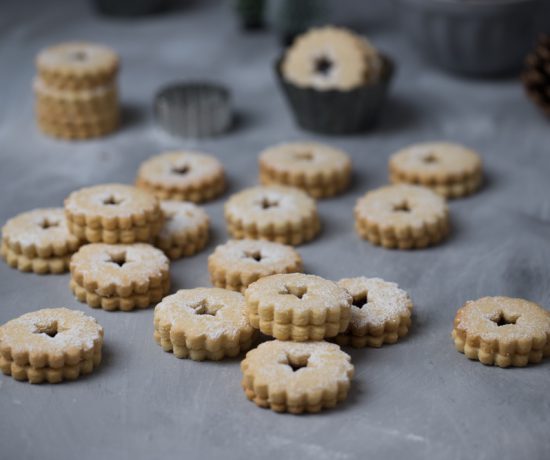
185,230
183,176
320,170
203,323
402,216
326,58
77,65
502,331
119,277
38,241
381,313
451,170
238,263
286,215
296,377
52,344
113,213
298,307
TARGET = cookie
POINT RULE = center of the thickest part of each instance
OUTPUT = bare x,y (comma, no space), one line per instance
113,213
97,98
318,169
77,130
402,216
298,307
502,331
77,65
296,377
381,313
38,241
326,58
283,214
119,277
185,230
52,344
238,263
203,323
451,170
183,176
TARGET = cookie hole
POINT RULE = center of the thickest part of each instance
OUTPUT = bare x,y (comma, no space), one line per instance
50,329
204,308
402,207
46,223
180,169
112,200
78,56
297,291
254,255
502,319
429,158
268,203
303,156
323,66
361,300
297,363
118,259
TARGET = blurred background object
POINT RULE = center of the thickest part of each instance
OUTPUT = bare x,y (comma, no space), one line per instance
536,76
129,8
291,18
251,13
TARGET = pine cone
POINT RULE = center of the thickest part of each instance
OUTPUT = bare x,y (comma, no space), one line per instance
536,76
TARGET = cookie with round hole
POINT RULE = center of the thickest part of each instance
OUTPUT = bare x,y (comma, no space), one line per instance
113,213
298,307
50,345
318,169
296,377
285,215
380,313
185,231
183,176
238,263
451,170
38,241
402,216
502,331
203,324
119,277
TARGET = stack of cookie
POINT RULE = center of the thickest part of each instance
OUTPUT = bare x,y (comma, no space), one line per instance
76,93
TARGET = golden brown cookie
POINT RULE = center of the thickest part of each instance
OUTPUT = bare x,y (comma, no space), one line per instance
330,58
402,216
119,277
183,176
185,230
381,312
38,241
77,65
298,307
52,344
296,377
502,331
283,214
449,169
113,213
203,323
320,170
77,130
238,263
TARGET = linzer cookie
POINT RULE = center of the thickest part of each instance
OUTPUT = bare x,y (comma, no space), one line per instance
238,263
318,169
502,331
119,277
113,213
298,307
185,230
296,377
184,176
402,216
51,345
38,241
283,214
449,169
381,313
203,323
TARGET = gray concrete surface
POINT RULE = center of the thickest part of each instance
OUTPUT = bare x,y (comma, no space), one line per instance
416,399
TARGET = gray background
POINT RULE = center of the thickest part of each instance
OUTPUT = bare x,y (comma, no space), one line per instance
417,399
